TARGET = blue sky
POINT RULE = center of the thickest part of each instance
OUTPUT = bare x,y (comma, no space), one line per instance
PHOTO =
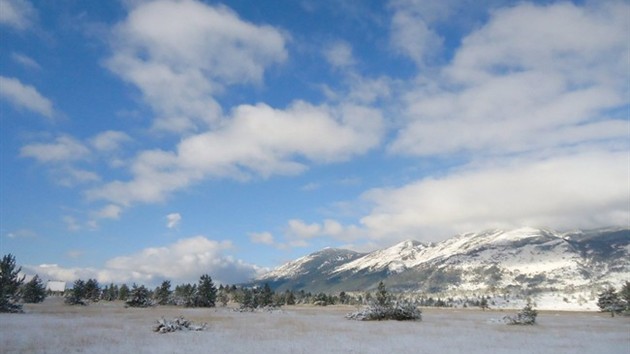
151,140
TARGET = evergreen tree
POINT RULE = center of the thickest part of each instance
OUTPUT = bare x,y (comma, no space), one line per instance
139,296
163,293
382,297
110,293
34,291
206,292
92,290
289,297
123,292
608,301
10,283
266,296
185,294
527,316
248,300
76,295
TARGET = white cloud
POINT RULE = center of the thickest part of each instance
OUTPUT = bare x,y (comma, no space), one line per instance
172,220
261,237
183,261
109,140
582,190
22,233
25,61
412,31
181,54
110,211
298,232
257,141
64,148
532,78
24,96
18,14
339,55
74,254
71,223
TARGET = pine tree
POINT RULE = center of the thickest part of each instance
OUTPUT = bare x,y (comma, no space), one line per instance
185,294
110,293
527,316
10,283
92,290
34,291
608,301
163,293
248,300
206,292
289,297
266,296
382,297
76,295
123,292
139,296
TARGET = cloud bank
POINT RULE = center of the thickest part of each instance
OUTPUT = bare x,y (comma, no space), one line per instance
180,262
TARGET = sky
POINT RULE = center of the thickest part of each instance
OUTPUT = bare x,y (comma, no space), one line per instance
144,141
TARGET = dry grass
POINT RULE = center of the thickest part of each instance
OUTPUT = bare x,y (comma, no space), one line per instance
53,327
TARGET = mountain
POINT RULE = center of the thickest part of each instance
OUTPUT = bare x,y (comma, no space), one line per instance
519,262
306,272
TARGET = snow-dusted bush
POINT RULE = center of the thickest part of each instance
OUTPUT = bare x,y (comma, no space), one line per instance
403,310
383,308
139,297
177,324
527,316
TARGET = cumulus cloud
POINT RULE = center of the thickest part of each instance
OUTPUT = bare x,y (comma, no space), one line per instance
339,55
261,237
298,233
183,261
257,140
110,211
172,220
181,54
24,96
64,148
109,140
532,78
17,14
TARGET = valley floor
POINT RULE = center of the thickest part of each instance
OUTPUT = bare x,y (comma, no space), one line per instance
52,327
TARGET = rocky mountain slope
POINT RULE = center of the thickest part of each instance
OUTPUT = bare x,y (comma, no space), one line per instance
524,262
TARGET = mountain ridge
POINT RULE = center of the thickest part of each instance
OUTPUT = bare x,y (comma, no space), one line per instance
519,262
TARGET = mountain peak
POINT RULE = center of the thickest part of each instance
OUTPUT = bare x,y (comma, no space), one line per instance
530,259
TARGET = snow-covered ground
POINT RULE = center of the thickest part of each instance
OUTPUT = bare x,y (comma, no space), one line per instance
52,327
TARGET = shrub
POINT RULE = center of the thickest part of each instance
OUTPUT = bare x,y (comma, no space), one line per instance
383,308
527,316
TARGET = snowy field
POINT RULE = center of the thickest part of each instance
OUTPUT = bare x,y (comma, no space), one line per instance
53,327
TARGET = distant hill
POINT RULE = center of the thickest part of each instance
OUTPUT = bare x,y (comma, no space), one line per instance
519,262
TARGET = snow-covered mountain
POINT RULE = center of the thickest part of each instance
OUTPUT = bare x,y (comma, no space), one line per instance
523,261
